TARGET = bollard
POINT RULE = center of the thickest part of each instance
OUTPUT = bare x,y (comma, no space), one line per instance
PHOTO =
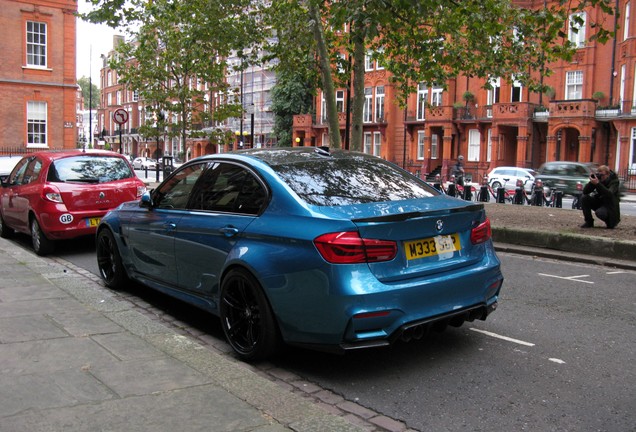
501,195
518,198
438,186
484,194
558,198
452,190
146,170
468,193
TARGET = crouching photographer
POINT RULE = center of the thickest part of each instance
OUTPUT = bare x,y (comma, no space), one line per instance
601,195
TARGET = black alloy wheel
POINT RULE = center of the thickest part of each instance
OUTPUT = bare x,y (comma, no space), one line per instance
246,317
109,262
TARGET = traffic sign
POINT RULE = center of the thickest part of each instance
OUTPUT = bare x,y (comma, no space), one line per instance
120,116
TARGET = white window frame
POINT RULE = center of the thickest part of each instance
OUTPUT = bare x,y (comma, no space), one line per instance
621,91
516,86
377,144
474,145
574,85
368,62
367,143
626,20
340,100
422,99
323,108
489,146
576,32
36,44
379,103
421,143
37,124
632,151
436,96
367,107
434,146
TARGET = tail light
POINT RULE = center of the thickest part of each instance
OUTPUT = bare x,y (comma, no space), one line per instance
349,248
481,233
51,193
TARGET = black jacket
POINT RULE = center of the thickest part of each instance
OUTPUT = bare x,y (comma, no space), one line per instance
608,191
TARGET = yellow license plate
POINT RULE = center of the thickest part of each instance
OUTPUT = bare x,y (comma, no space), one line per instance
432,246
93,222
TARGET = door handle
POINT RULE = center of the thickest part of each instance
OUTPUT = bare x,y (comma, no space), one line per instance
229,231
170,226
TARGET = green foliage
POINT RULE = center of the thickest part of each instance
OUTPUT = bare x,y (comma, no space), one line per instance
89,99
291,95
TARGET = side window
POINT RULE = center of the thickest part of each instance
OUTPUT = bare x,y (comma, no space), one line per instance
175,194
32,171
18,172
230,188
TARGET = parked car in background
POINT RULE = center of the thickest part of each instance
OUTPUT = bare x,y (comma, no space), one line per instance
6,165
564,175
144,163
324,249
497,177
63,195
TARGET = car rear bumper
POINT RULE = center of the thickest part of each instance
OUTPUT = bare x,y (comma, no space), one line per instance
82,224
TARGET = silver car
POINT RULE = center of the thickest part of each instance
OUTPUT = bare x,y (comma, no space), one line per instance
507,177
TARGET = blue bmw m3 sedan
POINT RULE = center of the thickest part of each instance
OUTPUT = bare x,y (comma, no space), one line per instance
326,249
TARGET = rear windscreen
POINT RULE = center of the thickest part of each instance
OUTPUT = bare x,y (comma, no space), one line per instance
89,169
354,180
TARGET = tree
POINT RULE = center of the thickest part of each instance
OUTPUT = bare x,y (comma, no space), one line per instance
173,50
291,95
434,41
91,98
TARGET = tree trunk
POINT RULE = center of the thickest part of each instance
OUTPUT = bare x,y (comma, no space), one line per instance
359,50
327,80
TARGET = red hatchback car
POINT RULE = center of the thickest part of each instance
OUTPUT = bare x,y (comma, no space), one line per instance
63,195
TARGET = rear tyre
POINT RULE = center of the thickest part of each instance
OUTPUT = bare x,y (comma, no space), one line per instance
247,319
5,231
109,262
41,244
496,185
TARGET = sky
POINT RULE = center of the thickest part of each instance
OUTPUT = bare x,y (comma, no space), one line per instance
92,41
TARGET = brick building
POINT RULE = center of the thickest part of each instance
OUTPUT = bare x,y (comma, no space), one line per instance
38,84
590,115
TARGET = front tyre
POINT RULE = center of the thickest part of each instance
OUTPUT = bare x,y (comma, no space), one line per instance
41,244
109,262
246,317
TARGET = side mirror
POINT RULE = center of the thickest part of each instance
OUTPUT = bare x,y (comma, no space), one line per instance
146,201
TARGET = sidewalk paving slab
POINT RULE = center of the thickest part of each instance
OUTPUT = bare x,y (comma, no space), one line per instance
75,358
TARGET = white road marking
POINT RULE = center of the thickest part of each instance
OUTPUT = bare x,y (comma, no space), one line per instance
556,360
616,272
506,338
570,278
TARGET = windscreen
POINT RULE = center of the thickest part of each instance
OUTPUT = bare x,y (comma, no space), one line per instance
351,180
89,169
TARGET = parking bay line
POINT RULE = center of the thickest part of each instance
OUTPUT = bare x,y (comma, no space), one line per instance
498,336
570,278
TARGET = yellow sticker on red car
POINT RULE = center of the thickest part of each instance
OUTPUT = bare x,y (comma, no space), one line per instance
93,222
